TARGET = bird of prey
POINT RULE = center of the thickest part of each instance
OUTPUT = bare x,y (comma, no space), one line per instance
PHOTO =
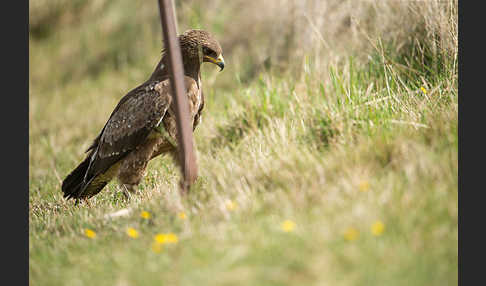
143,124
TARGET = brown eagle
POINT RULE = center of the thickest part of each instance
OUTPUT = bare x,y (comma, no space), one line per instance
143,124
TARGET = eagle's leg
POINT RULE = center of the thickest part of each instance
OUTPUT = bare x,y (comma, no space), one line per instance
169,132
171,138
133,167
176,158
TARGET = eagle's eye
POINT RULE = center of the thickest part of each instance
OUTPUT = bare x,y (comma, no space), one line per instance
209,52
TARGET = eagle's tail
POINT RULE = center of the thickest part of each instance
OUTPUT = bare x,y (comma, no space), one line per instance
74,183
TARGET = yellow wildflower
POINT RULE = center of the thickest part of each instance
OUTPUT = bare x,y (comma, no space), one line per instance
160,238
351,234
288,226
163,238
423,90
364,186
171,238
377,228
230,205
182,215
133,233
89,233
145,215
156,247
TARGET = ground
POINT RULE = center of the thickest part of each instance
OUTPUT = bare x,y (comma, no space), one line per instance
335,165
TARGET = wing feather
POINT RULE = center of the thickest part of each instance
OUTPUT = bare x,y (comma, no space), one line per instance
130,123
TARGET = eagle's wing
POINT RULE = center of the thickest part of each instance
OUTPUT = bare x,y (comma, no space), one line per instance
130,123
133,93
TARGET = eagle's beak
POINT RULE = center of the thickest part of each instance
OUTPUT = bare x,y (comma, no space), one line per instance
218,61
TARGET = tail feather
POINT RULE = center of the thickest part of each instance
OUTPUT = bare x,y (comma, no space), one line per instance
79,184
74,183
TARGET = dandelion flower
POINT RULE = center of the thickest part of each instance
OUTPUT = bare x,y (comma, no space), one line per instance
351,234
171,238
423,90
131,232
182,215
160,238
163,238
230,205
145,215
288,226
89,233
377,228
364,186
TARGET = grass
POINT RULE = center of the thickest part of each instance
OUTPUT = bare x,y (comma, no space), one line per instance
357,126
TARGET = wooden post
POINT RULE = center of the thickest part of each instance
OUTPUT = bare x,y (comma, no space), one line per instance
176,76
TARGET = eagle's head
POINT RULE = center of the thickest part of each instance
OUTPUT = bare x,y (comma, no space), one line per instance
201,45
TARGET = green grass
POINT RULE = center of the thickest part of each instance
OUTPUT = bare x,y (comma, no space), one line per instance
294,143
